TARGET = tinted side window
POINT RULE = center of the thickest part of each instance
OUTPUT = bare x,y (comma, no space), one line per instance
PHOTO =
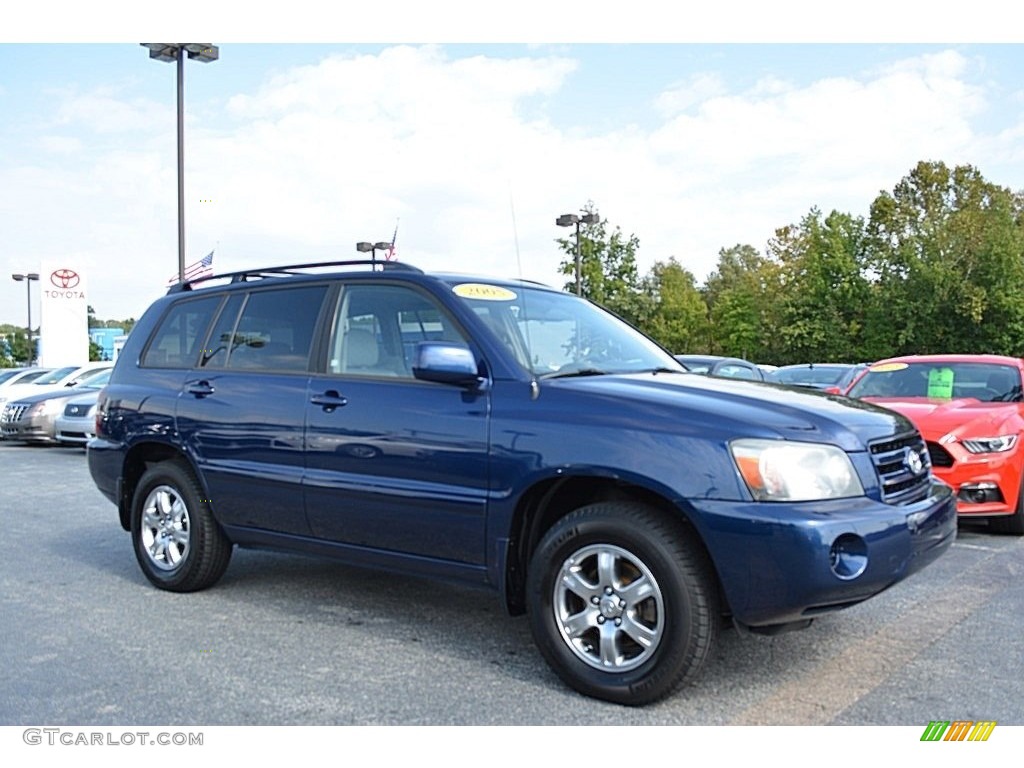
276,328
176,341
217,346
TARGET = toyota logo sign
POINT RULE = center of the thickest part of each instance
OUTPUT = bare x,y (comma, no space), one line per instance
65,278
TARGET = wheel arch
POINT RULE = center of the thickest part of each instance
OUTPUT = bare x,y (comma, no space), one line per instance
551,499
136,461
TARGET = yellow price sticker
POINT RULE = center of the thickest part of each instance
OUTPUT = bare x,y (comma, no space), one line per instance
887,367
482,291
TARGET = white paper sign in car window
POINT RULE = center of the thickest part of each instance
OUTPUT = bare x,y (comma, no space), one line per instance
484,292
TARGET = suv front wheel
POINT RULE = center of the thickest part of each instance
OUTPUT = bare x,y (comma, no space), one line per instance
177,542
623,604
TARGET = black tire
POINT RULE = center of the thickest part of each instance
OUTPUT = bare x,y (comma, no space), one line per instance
1012,525
656,626
177,542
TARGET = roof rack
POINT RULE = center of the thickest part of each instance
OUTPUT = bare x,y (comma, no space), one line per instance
294,269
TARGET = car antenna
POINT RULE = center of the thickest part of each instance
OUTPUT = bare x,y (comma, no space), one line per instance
534,386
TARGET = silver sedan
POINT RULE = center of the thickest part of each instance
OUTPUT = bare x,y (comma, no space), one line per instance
76,424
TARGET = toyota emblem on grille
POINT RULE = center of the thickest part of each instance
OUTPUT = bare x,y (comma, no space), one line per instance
65,278
913,461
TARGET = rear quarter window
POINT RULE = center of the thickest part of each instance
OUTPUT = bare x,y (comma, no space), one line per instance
175,343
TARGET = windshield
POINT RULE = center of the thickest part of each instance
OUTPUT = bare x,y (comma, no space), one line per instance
96,380
556,333
54,377
988,382
805,375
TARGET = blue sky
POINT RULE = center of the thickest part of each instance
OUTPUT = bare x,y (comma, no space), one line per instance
296,150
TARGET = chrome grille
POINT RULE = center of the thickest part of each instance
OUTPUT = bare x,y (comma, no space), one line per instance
13,412
898,483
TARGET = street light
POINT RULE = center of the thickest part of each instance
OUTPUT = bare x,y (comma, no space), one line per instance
365,247
205,53
28,278
567,220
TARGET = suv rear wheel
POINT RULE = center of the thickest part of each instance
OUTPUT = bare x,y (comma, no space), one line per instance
622,604
177,542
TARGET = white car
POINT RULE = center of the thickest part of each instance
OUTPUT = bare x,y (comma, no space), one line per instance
11,376
76,424
54,380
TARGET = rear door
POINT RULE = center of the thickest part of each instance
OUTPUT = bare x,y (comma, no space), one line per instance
241,411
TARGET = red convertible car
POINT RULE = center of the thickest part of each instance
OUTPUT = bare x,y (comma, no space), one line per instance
970,412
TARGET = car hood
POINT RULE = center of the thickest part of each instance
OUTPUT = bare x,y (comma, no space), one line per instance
753,409
965,417
49,394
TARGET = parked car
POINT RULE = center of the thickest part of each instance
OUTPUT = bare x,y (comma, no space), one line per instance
722,367
504,434
969,409
57,379
11,376
32,419
76,424
834,378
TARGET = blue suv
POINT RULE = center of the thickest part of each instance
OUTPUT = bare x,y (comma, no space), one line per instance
508,435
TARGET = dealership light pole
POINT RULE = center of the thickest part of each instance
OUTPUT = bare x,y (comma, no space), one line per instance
364,247
203,52
567,220
28,278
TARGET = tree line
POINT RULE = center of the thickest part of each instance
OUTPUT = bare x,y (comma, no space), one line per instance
937,266
14,347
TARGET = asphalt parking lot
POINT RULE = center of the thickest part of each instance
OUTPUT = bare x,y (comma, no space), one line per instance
286,639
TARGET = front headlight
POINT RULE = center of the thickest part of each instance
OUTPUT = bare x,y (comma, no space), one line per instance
45,408
999,444
780,470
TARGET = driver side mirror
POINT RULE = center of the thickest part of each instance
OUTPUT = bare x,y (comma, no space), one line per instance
445,363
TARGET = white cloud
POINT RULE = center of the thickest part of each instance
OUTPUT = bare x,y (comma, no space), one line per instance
105,113
693,90
321,156
60,145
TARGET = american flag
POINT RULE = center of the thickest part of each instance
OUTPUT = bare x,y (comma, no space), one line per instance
389,254
201,268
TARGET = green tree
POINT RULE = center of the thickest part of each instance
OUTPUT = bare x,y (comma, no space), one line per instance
675,315
742,296
609,274
16,350
825,288
947,247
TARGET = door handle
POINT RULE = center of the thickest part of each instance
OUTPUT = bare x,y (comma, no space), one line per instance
200,388
329,400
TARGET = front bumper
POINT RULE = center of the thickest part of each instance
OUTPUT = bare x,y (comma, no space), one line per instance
75,430
783,563
29,430
986,484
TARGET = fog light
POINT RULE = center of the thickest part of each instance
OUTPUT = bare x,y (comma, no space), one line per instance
979,493
848,556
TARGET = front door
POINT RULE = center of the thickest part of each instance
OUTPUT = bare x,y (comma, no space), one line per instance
394,463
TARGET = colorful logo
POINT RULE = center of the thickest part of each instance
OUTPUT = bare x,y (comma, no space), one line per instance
958,730
65,278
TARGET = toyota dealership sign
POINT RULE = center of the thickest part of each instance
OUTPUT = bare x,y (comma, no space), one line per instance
64,315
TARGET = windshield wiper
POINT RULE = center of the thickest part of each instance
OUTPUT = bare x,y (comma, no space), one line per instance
578,372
